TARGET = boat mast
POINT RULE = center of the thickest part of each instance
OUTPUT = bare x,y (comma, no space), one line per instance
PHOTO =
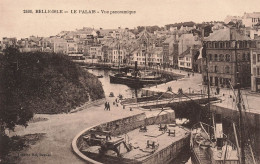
242,138
208,83
118,56
204,50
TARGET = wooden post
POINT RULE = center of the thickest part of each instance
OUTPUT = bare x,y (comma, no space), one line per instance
238,148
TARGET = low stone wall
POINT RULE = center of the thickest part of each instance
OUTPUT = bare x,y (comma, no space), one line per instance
121,126
88,105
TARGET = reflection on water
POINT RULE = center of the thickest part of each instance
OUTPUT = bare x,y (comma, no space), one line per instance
117,89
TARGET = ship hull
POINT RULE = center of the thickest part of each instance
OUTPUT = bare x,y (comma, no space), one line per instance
134,81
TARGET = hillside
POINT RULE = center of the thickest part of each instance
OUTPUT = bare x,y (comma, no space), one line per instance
45,82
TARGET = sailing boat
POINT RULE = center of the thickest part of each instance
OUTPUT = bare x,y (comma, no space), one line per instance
213,149
136,79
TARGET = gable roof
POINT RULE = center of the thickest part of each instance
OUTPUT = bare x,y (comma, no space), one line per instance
226,34
185,53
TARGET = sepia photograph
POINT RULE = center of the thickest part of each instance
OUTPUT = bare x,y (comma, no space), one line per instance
130,82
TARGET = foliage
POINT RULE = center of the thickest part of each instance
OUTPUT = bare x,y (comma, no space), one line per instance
178,25
41,83
12,146
150,29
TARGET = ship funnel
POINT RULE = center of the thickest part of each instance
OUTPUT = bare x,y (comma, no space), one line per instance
219,131
135,71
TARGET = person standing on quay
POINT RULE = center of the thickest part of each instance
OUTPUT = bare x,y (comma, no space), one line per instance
108,106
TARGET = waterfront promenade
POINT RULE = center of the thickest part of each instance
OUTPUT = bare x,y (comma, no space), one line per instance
60,130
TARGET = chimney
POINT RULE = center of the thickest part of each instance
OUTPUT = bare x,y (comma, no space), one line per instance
202,34
232,34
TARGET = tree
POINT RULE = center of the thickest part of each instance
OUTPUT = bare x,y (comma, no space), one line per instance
12,113
98,33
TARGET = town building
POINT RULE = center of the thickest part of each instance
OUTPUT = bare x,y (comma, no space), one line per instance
146,38
59,45
170,52
255,67
155,56
72,47
8,42
95,52
139,56
251,19
186,60
222,56
188,43
233,19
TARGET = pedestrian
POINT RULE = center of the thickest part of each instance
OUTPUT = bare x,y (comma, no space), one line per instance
108,106
105,106
217,90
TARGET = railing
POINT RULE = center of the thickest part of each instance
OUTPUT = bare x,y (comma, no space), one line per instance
163,101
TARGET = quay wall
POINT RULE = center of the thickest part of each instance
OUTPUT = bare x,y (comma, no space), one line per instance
167,154
251,119
121,126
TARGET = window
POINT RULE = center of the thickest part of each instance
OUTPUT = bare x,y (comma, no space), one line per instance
216,45
248,56
227,69
254,71
210,80
227,44
244,57
216,57
227,57
210,57
209,45
254,58
216,69
221,45
205,79
258,57
220,80
258,71
221,57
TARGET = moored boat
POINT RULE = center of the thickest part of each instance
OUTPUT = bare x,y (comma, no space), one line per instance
138,80
206,150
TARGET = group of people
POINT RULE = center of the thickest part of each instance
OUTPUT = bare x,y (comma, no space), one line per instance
107,106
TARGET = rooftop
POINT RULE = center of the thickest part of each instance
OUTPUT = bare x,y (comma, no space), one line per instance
226,34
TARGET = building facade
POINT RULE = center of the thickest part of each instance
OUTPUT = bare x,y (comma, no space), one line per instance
255,67
251,19
222,56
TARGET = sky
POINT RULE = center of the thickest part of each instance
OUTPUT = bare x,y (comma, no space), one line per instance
15,23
